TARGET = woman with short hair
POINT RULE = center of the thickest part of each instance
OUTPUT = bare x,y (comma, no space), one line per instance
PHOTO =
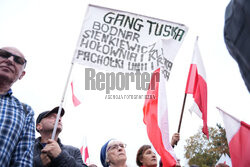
146,157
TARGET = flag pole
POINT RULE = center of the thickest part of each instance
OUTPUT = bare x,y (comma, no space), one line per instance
183,106
62,100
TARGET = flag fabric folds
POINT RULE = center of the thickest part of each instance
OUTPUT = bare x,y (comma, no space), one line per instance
238,138
86,156
156,119
76,102
84,151
197,85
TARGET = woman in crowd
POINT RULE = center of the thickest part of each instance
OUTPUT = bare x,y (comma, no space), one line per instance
113,154
146,157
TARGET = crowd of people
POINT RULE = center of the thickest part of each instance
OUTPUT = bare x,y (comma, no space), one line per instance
113,154
18,146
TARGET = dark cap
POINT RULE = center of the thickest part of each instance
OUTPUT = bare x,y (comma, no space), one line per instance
47,113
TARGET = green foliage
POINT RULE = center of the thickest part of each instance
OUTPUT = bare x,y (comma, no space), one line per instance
203,152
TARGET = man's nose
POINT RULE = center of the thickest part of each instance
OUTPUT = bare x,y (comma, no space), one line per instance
10,60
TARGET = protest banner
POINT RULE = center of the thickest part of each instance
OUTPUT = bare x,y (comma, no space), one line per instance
116,40
122,41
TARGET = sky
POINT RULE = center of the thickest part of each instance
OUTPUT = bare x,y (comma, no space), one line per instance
46,32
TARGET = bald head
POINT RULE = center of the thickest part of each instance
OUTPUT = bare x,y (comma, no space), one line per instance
13,50
12,64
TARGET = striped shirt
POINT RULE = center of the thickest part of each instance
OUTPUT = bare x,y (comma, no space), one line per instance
17,132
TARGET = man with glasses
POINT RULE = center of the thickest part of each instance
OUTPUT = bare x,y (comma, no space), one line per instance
113,154
17,128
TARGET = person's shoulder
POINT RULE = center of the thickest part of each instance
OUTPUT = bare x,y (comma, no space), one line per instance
27,109
24,106
67,147
70,147
27,106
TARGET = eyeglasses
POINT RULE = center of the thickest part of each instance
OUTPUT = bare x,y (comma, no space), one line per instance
116,146
19,60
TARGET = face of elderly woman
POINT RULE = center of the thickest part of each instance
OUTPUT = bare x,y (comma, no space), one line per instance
116,153
149,158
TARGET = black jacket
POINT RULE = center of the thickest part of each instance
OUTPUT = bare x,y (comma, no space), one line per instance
69,157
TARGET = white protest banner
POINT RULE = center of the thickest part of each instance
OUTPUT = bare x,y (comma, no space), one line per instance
121,41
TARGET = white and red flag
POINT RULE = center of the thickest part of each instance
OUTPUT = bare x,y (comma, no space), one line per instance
197,85
238,138
84,151
156,119
75,100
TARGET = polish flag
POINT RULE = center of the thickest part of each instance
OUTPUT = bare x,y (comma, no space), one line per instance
197,85
238,138
84,151
76,102
156,119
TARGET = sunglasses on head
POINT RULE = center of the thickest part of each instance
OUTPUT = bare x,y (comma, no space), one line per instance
19,60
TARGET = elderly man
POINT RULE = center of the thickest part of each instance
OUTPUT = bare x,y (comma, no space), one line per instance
17,130
48,152
113,154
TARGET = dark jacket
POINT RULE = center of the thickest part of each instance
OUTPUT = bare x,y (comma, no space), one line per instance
69,157
237,35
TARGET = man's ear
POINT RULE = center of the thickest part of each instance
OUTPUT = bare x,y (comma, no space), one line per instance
39,126
21,76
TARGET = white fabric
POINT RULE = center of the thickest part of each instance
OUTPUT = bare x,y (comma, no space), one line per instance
194,108
163,116
198,61
232,125
225,159
141,45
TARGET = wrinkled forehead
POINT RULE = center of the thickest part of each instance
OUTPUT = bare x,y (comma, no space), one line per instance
13,50
113,142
